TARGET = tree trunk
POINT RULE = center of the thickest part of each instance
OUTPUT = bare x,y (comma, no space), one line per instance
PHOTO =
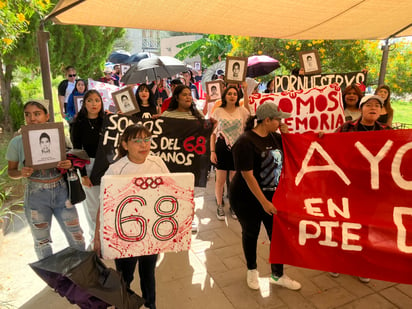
5,88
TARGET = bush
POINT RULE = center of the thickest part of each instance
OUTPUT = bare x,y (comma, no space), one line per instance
16,108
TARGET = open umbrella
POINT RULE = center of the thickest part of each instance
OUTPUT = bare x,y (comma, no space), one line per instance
217,68
150,69
118,57
83,279
261,65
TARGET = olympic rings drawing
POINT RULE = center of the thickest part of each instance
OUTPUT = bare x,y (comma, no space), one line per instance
146,182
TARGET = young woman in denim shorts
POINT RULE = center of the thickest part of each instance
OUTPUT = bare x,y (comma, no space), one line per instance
46,191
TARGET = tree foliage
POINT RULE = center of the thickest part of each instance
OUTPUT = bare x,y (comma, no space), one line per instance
211,48
84,47
336,56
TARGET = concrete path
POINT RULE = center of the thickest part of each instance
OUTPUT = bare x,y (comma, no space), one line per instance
210,275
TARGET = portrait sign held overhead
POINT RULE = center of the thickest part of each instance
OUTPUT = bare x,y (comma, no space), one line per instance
197,65
124,68
44,145
214,89
236,68
78,103
125,101
310,62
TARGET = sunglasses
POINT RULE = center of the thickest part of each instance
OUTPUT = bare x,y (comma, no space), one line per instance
142,140
72,75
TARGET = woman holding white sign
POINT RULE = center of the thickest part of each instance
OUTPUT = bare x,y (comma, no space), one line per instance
134,150
258,158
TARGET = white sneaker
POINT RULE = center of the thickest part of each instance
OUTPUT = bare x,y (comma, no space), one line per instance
334,275
253,279
286,282
364,280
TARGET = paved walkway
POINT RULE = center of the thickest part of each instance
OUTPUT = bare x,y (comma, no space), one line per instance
210,275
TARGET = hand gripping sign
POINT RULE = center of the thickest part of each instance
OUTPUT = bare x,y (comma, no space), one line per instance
145,214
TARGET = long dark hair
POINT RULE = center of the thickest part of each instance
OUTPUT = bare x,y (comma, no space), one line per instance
358,93
387,102
174,104
82,114
75,86
132,131
151,99
224,102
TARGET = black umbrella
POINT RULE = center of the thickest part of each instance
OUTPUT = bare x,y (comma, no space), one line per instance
118,57
137,57
152,68
83,279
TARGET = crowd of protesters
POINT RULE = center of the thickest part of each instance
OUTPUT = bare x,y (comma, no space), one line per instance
238,145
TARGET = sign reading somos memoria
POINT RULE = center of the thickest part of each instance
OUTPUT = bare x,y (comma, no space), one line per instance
145,214
345,204
293,83
316,109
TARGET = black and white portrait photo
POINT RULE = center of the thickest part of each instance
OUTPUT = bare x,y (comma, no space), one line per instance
236,68
310,62
214,89
43,144
125,101
78,103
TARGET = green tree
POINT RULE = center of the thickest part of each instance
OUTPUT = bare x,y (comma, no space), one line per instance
15,24
84,47
335,55
211,48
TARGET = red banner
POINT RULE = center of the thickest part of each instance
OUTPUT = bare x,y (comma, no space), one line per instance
345,204
315,109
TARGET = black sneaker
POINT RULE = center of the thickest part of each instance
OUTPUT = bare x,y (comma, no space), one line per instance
220,213
232,213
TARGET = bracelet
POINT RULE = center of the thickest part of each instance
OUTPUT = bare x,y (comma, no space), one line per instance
212,151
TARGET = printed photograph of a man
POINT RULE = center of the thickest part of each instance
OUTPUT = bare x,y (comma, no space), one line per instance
45,144
236,69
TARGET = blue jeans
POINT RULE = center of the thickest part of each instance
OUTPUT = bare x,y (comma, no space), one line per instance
42,200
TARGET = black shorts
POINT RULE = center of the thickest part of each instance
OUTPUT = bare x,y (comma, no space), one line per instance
224,156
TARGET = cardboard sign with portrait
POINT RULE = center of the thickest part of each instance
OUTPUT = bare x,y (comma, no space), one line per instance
214,89
310,62
236,68
78,103
44,145
125,101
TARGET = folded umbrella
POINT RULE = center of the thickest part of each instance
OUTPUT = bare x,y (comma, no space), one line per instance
261,65
83,279
150,69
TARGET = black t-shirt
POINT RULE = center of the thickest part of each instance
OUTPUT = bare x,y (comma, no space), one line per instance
146,112
263,155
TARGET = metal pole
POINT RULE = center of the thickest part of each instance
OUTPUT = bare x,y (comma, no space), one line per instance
42,39
384,62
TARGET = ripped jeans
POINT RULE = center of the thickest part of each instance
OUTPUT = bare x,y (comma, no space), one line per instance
41,201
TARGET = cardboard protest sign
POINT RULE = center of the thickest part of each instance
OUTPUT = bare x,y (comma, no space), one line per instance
145,214
293,82
182,144
316,109
105,91
345,204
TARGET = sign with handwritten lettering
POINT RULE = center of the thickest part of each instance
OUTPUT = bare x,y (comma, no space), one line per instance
145,214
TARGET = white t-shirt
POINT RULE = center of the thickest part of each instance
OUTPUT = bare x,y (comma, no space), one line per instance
230,125
152,165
